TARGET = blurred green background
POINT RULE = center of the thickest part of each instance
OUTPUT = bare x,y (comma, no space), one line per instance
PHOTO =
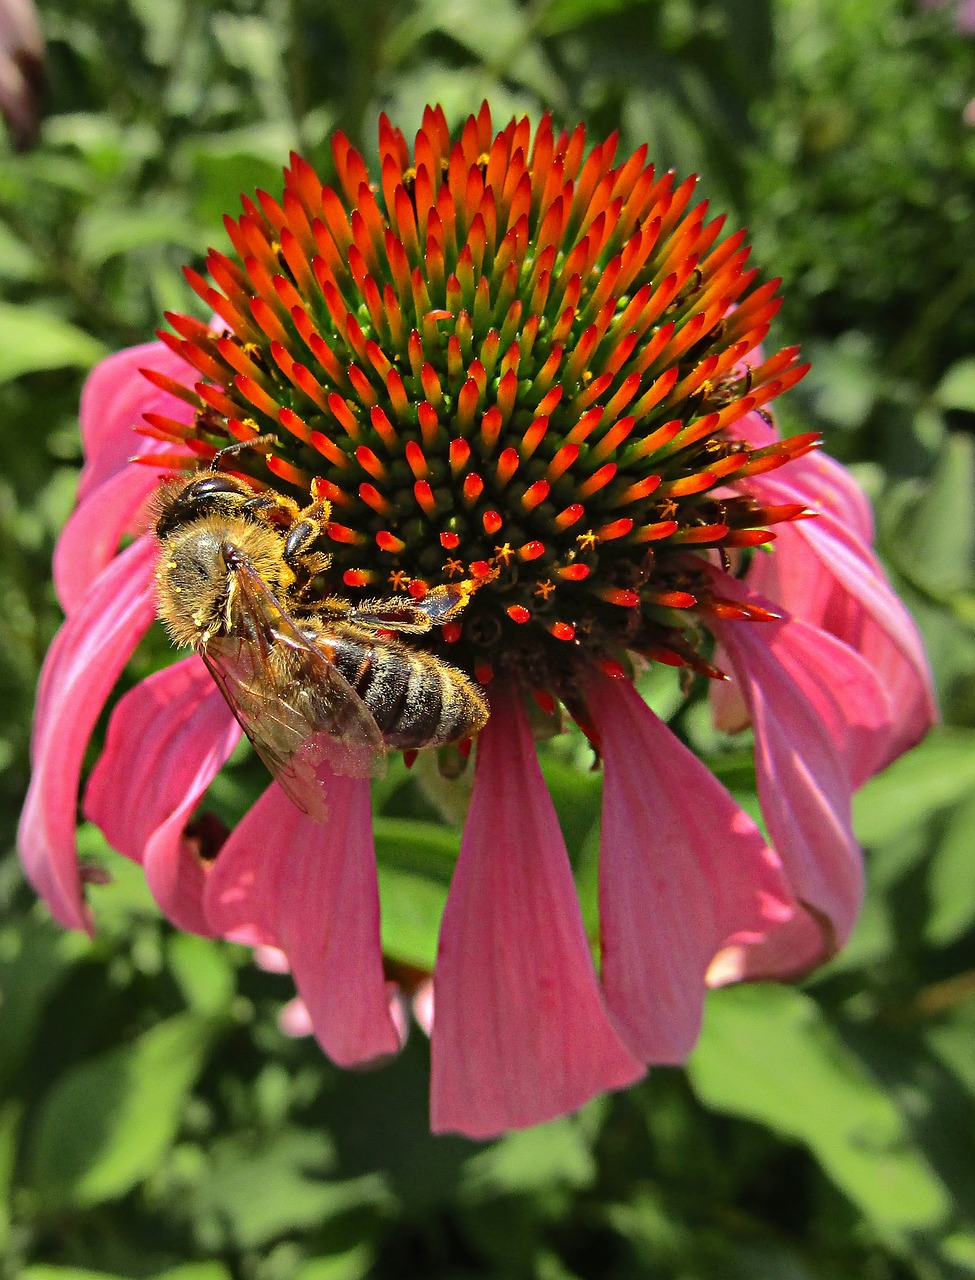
153,1119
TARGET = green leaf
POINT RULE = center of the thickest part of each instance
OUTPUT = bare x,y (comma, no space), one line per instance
191,1271
411,910
951,884
107,1122
416,860
768,1054
354,1264
550,1155
933,776
32,340
253,1192
34,959
843,382
195,1271
564,15
10,1116
934,538
957,388
421,847
44,1272
204,972
104,233
124,899
576,796
17,261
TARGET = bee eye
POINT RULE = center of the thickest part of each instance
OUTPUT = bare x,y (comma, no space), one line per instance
212,485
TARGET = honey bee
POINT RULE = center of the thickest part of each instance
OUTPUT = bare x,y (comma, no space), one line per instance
311,681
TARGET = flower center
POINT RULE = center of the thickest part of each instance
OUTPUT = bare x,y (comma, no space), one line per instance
508,360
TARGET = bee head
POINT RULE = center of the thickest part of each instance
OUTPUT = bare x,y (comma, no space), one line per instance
197,572
180,502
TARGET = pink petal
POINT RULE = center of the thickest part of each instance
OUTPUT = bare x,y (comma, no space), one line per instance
92,534
822,573
167,740
423,1007
799,703
845,690
113,400
294,1020
823,484
682,870
81,667
786,953
520,1032
271,959
754,430
312,891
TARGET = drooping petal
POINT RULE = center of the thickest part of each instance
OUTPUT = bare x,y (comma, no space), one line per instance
520,1030
312,891
784,954
113,400
820,572
92,534
799,696
682,870
167,740
81,667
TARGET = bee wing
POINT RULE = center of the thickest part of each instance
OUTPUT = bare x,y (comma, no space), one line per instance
295,706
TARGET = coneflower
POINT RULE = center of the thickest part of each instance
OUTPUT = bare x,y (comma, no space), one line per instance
506,360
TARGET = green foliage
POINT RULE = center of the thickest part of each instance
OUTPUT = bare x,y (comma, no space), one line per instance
154,1122
106,1123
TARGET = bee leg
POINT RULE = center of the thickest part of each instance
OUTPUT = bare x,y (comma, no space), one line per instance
444,603
275,508
301,537
393,614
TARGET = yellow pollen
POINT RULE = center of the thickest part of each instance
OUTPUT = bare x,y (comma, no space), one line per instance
453,567
587,540
504,553
399,580
545,589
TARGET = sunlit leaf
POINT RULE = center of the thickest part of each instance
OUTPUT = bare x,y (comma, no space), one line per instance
932,776
253,1192
957,388
32,340
768,1054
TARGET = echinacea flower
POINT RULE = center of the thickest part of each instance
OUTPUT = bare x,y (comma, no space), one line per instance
517,363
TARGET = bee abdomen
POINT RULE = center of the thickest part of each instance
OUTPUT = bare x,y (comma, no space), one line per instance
416,700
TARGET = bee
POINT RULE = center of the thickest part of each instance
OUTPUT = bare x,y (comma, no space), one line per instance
312,682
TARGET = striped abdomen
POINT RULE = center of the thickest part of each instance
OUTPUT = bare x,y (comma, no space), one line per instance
417,700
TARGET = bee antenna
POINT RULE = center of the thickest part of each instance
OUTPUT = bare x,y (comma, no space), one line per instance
239,446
